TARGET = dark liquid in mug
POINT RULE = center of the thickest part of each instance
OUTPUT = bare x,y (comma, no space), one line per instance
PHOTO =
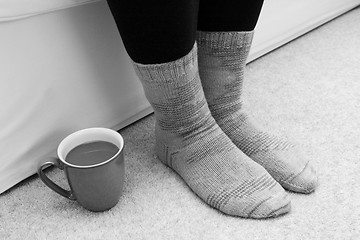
91,153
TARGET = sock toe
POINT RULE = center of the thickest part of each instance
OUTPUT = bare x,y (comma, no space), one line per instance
290,168
274,206
304,182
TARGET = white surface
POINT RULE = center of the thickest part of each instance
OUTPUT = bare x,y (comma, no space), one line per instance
68,70
61,72
16,9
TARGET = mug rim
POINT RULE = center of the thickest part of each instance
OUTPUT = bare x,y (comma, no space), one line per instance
75,134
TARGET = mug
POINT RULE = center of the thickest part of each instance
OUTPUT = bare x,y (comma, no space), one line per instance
96,187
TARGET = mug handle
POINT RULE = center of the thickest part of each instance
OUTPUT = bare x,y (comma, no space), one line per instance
51,184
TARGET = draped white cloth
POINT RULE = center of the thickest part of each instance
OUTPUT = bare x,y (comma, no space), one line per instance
16,9
60,72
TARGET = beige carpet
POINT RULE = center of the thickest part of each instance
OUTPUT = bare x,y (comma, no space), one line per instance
308,89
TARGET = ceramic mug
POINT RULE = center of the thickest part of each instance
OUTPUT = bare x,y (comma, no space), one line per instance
96,187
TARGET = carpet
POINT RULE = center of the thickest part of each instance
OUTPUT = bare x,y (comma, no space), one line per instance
308,89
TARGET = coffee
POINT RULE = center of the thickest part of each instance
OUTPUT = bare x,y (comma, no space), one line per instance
91,153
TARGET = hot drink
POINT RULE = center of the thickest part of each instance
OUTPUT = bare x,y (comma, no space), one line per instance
91,153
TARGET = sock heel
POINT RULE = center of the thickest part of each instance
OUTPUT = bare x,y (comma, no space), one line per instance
161,151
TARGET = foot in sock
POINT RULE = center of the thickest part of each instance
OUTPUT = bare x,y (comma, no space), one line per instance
189,141
222,59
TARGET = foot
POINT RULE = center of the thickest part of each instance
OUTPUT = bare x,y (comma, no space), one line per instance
222,60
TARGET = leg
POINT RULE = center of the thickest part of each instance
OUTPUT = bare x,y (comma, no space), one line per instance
188,140
156,31
223,51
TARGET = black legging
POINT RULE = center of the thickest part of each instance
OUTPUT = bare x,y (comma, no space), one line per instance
159,31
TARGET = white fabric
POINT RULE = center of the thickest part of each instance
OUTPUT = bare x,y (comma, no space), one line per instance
60,72
15,9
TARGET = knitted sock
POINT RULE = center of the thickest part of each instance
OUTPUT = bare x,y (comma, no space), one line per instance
222,60
189,141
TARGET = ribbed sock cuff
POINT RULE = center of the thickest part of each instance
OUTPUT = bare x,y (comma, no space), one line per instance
184,67
224,40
